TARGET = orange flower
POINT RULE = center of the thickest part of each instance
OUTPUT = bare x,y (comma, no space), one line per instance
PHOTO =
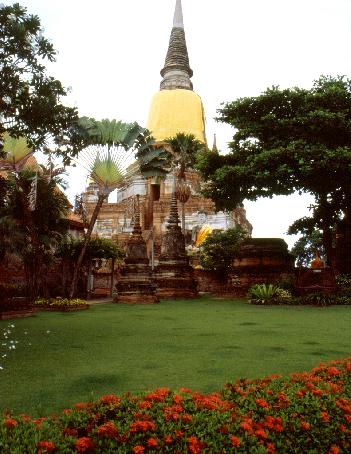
138,449
25,417
195,445
177,399
262,403
47,446
261,433
84,444
152,442
325,417
305,425
107,430
270,448
186,418
317,392
333,371
9,423
110,399
81,405
235,441
142,426
145,404
70,432
333,450
167,439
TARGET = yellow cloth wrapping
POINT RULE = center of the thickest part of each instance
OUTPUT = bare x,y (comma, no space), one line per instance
174,111
203,234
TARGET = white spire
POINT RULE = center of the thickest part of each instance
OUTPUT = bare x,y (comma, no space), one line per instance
178,15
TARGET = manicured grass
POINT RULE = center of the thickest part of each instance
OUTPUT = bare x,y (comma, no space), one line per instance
199,344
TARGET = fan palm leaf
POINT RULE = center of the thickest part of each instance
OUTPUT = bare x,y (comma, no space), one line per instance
17,152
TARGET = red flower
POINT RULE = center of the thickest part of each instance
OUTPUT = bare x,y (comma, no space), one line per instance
38,422
333,371
67,411
262,403
177,399
333,450
138,449
145,404
325,417
152,442
167,440
142,426
261,433
81,405
158,395
84,444
179,433
305,425
270,448
273,423
235,441
342,428
107,430
195,445
9,423
186,418
317,392
47,446
223,429
25,417
110,399
70,432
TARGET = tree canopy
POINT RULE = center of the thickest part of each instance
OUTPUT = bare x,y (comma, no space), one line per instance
30,103
287,140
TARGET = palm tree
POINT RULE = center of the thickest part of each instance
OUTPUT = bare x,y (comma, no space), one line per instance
17,152
184,148
109,155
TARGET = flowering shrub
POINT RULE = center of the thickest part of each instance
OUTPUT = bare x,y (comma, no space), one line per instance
59,302
307,412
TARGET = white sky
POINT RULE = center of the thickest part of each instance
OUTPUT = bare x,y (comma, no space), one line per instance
111,52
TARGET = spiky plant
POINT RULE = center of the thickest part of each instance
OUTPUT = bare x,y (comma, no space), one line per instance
109,155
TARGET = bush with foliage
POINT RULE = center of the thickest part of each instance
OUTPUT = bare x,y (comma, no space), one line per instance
59,302
269,294
306,412
219,249
343,282
103,248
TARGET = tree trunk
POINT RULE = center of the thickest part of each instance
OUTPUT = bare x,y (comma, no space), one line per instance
94,216
183,219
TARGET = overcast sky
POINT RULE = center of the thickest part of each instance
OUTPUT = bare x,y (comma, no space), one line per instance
111,52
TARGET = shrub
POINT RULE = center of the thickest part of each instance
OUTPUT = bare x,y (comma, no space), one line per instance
262,293
306,412
59,302
219,249
343,282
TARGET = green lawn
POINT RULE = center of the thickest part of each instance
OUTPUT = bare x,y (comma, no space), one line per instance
71,357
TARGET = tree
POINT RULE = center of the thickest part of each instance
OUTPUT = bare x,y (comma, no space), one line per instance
109,157
184,149
285,141
97,248
30,99
219,249
306,247
33,232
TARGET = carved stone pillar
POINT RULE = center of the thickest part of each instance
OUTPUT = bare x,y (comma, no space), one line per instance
173,275
135,285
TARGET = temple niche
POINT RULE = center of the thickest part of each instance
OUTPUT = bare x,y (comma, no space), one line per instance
174,108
